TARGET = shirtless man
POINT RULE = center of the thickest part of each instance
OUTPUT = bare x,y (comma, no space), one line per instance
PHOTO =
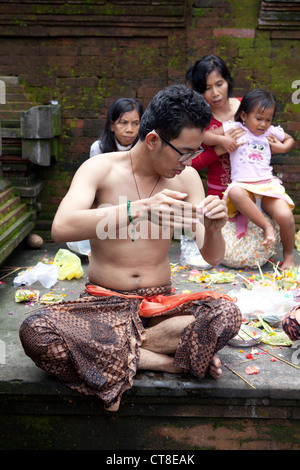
118,200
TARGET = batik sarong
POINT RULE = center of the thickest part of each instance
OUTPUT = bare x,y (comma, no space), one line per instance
290,325
92,344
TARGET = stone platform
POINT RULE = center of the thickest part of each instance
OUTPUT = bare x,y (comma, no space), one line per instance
162,411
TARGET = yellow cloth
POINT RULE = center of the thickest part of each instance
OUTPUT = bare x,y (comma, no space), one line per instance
271,188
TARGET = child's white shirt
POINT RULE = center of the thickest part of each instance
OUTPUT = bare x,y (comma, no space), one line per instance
252,160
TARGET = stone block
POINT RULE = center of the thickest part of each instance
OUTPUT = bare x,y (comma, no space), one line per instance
41,122
36,123
40,128
38,151
56,120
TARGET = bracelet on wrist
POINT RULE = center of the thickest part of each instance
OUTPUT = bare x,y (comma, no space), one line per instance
128,211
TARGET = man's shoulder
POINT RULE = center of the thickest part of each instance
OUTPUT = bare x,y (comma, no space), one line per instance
94,170
103,161
188,176
190,171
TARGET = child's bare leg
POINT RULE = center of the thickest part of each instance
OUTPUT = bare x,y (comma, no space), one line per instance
280,211
245,203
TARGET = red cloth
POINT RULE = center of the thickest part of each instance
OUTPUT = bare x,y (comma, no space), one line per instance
158,304
219,174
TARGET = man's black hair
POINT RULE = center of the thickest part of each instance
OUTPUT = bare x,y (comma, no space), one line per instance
173,109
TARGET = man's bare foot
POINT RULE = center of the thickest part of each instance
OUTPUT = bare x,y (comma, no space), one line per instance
155,361
215,367
269,234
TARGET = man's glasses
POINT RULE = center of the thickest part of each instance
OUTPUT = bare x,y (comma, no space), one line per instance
183,156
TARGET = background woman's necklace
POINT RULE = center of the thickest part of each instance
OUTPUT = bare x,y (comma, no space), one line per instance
138,192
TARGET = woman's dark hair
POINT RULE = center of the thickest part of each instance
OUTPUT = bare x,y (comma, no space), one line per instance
258,97
203,67
189,75
116,110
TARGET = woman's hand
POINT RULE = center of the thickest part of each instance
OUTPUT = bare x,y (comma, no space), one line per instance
230,141
235,133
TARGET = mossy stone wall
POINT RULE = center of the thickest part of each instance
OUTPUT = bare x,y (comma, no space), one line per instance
88,53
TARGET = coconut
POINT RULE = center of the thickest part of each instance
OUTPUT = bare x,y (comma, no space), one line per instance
34,241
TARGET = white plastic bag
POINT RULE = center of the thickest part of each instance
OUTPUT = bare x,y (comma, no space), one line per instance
263,301
190,254
46,274
82,247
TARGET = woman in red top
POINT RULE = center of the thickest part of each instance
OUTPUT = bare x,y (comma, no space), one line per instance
212,79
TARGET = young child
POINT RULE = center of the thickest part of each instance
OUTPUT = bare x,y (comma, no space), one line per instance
253,185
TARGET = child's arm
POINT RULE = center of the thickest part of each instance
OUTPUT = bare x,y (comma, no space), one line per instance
227,141
283,146
213,136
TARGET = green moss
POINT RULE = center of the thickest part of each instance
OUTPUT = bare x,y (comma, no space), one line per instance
199,12
287,433
244,14
85,8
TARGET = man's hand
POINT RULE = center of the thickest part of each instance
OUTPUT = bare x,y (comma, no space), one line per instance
214,210
169,209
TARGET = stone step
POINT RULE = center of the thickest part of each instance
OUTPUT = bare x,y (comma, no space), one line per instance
10,115
11,133
4,182
24,181
10,124
15,97
6,195
16,220
12,237
17,226
12,217
9,206
30,191
14,105
10,80
19,96
11,148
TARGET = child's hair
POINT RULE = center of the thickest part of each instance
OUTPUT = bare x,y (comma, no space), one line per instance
258,97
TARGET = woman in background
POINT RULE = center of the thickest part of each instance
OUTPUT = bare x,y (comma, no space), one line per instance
243,239
121,127
212,79
120,133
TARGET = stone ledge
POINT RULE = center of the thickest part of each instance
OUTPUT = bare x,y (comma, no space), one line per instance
162,411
